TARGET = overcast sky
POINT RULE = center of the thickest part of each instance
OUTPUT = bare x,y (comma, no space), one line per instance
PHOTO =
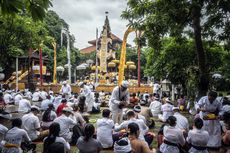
84,16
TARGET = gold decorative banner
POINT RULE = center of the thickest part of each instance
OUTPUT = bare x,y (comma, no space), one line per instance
123,56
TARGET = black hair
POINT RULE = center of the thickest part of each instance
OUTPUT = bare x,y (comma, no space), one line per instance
134,95
64,101
54,130
212,94
130,113
106,113
46,115
88,131
133,128
171,120
17,122
198,122
226,118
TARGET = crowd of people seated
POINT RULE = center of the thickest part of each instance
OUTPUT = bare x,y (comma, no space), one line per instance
62,119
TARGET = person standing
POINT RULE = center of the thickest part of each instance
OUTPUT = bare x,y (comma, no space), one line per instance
66,90
89,96
118,100
210,106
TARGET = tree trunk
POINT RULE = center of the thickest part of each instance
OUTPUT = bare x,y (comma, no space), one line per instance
203,81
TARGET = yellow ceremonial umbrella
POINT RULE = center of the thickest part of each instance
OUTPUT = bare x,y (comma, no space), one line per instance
132,67
130,63
111,64
116,61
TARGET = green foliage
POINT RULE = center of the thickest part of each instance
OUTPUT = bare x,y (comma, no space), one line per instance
196,19
35,8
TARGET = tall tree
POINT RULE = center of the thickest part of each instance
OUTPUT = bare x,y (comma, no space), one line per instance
199,19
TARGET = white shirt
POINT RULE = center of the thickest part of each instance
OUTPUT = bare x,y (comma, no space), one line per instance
45,103
43,95
104,132
65,89
156,87
155,107
31,123
16,136
61,140
24,106
115,99
36,96
17,98
29,94
173,135
181,121
3,131
65,124
198,137
142,126
8,98
167,111
57,101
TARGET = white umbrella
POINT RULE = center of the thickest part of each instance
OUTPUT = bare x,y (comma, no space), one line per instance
89,61
216,76
67,66
81,67
60,69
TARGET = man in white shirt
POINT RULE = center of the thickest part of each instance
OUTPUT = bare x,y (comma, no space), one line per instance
66,90
105,128
182,122
66,123
36,95
17,98
4,118
89,96
45,103
118,100
8,97
166,110
28,93
155,107
24,105
43,95
31,123
156,88
131,118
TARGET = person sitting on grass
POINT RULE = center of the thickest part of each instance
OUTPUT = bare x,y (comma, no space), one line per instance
48,116
138,146
198,138
173,137
132,118
105,128
53,137
14,137
66,123
87,143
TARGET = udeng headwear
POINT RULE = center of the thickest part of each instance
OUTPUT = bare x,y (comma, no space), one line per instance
125,84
